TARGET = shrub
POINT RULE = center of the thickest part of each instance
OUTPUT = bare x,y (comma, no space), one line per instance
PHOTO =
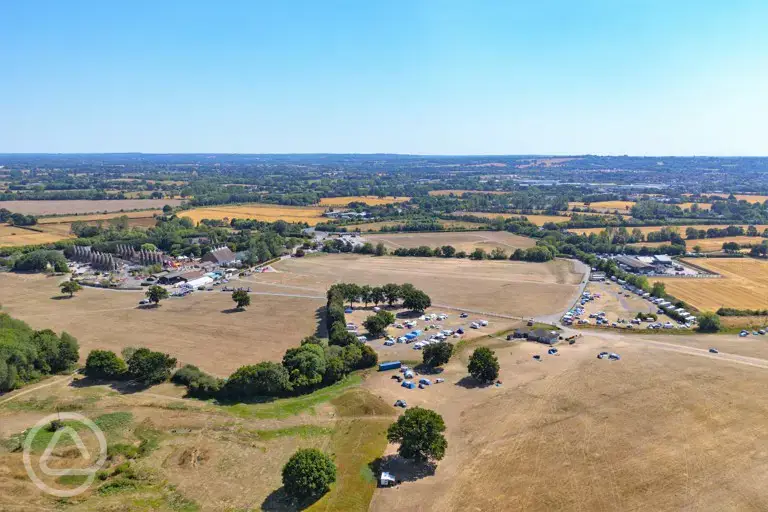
105,364
308,474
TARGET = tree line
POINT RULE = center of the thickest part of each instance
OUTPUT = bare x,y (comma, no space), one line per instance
27,355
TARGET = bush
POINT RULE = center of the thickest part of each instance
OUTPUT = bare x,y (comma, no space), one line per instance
709,322
40,260
149,367
437,354
199,384
105,364
309,473
263,379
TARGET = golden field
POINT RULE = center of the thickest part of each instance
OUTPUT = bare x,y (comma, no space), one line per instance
98,216
312,215
744,284
59,207
16,237
369,200
751,198
680,229
604,205
709,244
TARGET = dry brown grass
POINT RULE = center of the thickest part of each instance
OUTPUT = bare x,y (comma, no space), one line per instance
99,216
369,200
709,244
621,206
752,198
743,285
702,206
198,329
462,241
264,212
85,206
503,287
680,229
577,433
15,237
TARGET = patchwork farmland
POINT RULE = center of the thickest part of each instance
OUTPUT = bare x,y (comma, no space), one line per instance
263,212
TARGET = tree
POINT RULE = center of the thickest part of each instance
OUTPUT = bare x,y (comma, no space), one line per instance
697,249
498,254
478,254
352,293
709,322
149,367
417,301
391,292
380,249
305,365
484,365
241,298
104,364
377,295
659,289
309,473
377,324
339,335
365,294
263,379
731,247
448,251
70,287
69,352
156,293
167,208
437,354
420,434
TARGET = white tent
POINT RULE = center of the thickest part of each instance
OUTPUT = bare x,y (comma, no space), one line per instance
385,480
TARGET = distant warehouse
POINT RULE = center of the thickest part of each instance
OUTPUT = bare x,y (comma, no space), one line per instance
633,264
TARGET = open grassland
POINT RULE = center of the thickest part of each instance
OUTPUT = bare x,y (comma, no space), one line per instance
194,455
375,226
262,212
621,206
537,219
11,236
84,206
709,244
53,229
502,287
462,241
460,192
679,229
744,284
369,200
577,433
200,329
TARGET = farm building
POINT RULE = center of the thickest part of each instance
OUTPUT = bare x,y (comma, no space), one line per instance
181,276
220,256
632,264
538,335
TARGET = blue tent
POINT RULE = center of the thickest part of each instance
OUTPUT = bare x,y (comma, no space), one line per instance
408,384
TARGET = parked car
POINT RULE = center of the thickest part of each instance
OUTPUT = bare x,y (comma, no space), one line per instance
401,403
463,315
714,351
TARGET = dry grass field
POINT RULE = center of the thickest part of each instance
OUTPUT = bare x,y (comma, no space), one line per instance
744,285
147,214
462,241
752,198
502,287
15,237
375,226
459,192
186,327
680,229
621,206
85,206
369,200
537,219
264,212
667,428
709,244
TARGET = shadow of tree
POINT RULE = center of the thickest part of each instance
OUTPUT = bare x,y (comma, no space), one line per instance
61,297
279,501
403,470
470,382
124,387
229,311
424,369
321,330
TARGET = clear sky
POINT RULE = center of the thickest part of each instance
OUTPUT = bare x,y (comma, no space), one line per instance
642,77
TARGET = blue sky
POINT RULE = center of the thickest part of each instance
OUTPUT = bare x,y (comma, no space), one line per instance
638,77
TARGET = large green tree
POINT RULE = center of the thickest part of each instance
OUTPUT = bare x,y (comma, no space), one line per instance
105,364
420,435
309,473
437,354
483,365
156,293
241,298
709,322
416,300
149,367
70,287
262,379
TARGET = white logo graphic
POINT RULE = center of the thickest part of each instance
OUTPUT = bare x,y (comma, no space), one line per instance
89,472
